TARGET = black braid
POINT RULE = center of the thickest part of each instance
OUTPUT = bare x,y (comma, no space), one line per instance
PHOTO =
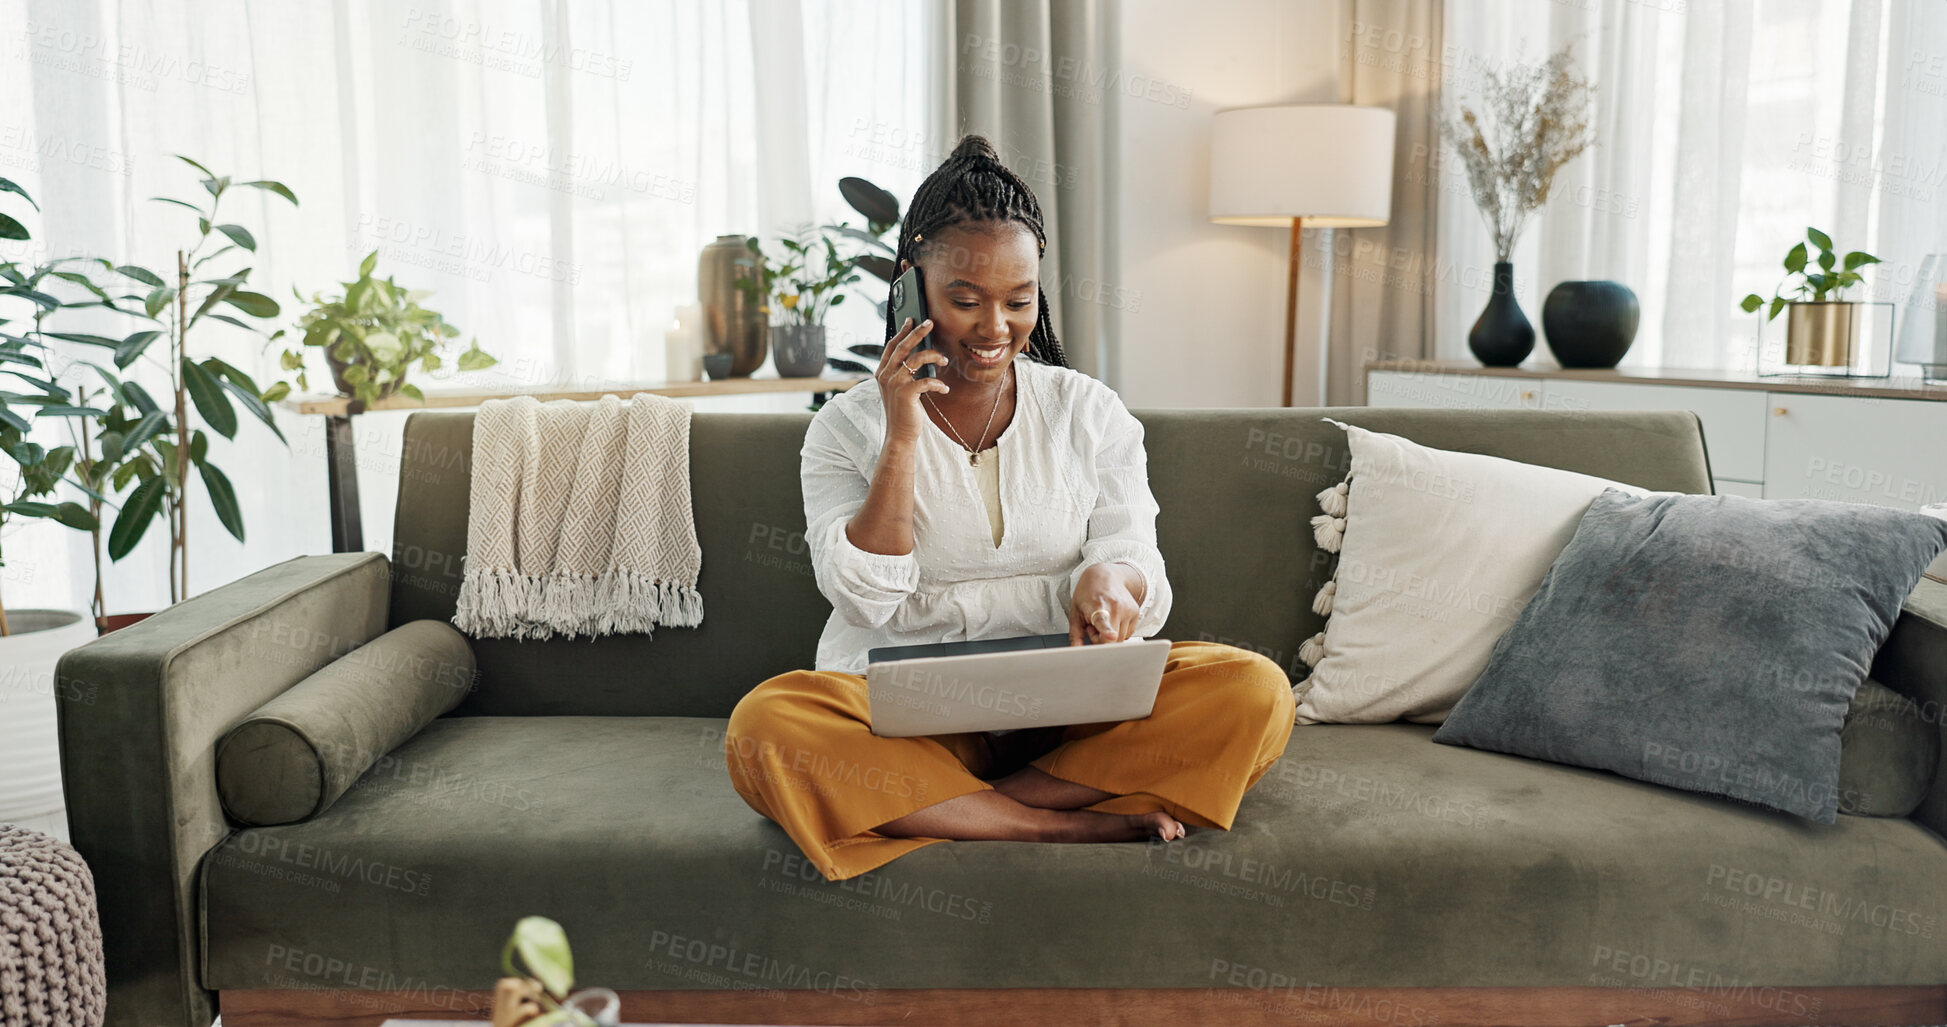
970,186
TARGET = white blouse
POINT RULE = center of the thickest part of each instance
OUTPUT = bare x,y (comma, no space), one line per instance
1074,492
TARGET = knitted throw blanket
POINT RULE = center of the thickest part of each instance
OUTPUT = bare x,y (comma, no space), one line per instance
579,519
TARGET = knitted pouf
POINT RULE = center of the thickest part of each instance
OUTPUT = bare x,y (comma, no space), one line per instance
50,941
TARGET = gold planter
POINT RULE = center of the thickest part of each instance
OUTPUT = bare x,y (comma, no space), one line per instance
1821,334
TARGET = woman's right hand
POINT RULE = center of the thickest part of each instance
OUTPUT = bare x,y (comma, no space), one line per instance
898,389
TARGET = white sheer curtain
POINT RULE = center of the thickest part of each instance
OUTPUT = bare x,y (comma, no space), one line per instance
548,168
1723,130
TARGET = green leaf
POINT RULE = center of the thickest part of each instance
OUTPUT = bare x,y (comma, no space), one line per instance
1777,304
239,235
1856,260
1819,239
141,274
142,506
245,390
413,391
179,203
227,319
209,398
256,304
76,516
1795,259
7,186
366,266
132,347
13,420
275,187
1752,302
207,257
223,498
144,430
1826,260
11,229
139,398
277,391
476,359
543,949
199,446
29,508
91,340
39,299
158,299
207,172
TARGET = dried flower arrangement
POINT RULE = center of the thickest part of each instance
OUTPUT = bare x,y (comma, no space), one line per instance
1534,120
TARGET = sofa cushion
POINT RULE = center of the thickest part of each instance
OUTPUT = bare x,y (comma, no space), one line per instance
1367,857
296,754
1888,752
1710,643
1438,547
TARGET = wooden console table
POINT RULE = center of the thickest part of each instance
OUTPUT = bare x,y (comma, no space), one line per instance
341,454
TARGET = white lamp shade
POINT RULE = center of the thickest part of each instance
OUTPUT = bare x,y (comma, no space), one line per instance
1331,164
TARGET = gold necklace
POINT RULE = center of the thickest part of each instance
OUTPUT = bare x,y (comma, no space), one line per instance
973,455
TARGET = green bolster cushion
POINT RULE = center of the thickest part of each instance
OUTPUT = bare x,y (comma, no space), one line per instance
1888,750
293,757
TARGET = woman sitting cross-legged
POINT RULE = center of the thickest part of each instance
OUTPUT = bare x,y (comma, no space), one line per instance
1007,496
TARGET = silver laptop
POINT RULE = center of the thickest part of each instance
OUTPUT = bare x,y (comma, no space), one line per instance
1010,684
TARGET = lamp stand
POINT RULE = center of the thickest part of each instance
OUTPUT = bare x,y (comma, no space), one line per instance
1291,304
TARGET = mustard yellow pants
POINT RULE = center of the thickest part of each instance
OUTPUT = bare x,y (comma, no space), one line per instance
801,751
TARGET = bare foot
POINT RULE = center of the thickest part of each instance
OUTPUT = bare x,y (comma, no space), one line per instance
990,815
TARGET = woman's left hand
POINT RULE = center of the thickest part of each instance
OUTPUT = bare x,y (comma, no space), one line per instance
1105,604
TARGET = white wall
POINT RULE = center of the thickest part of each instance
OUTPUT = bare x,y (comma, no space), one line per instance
1208,329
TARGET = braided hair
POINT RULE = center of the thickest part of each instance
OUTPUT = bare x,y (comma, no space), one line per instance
969,187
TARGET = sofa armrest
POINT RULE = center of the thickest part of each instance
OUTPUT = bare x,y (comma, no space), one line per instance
141,711
1913,662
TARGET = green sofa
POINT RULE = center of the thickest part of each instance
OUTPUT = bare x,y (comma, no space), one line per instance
584,780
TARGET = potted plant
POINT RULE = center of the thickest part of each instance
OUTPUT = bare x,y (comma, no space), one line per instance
1533,120
1821,330
32,641
877,258
797,292
158,446
372,333
535,991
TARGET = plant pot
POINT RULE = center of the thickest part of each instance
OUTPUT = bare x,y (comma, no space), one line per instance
30,790
1590,324
1503,336
798,351
118,621
345,388
734,321
1821,334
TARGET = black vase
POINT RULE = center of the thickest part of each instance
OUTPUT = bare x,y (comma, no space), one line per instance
1590,324
1502,337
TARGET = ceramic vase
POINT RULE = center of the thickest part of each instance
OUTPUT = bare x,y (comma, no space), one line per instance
798,350
1590,324
1502,337
734,319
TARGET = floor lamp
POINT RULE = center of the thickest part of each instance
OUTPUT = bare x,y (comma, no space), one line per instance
1311,165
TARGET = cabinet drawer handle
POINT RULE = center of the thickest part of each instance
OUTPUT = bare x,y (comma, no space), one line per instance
1528,394
1779,411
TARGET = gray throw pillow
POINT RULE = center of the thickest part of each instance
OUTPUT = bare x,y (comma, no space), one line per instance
1709,643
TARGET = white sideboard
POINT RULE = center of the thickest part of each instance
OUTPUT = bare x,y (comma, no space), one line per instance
1881,441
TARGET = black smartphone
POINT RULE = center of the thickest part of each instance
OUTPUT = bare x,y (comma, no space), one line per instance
909,300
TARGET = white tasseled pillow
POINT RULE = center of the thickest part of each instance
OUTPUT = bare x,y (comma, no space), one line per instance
1437,554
